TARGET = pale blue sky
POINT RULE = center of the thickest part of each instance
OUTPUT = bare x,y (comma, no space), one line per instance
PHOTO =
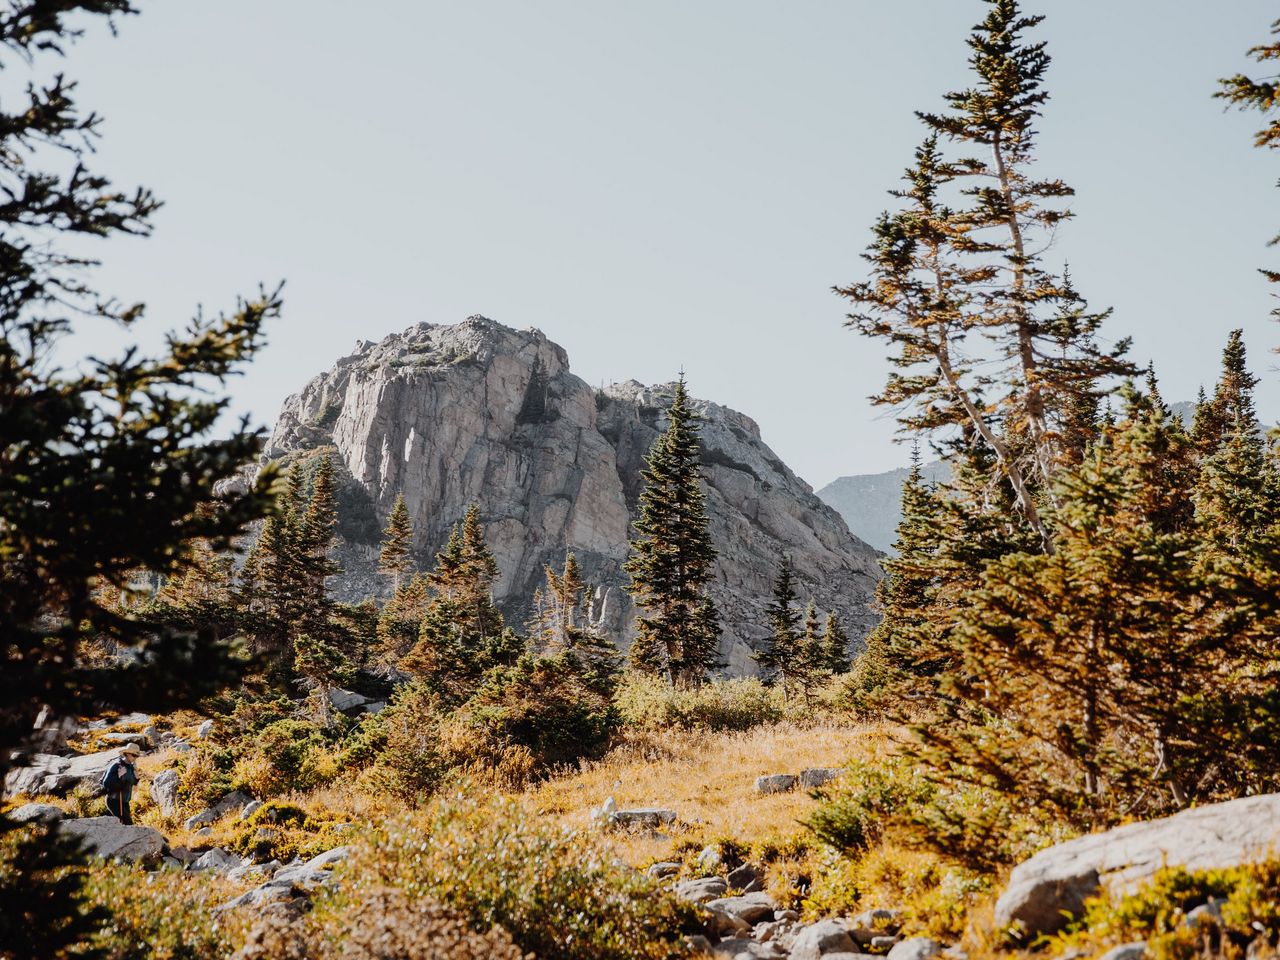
658,184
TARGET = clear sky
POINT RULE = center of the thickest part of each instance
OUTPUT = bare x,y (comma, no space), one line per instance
658,183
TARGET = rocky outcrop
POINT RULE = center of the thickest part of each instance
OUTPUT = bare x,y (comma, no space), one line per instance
1055,882
108,837
480,413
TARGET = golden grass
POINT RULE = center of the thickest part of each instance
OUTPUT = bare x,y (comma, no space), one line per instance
708,779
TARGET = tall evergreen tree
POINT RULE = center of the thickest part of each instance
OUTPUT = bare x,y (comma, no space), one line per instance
397,543
835,646
106,463
785,657
672,556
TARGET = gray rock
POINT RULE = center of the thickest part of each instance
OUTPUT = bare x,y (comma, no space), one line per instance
217,859
1209,914
1126,951
750,907
821,939
269,892
180,746
234,800
742,877
108,837
204,729
915,948
660,871
882,944
700,891
816,777
643,817
554,464
722,923
775,783
747,948
39,812
250,871
1058,879
249,809
344,700
709,859
164,791
57,775
376,706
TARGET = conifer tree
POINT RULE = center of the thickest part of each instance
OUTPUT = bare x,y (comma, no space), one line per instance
400,620
321,667
1261,94
397,544
834,646
783,658
1234,496
672,556
106,463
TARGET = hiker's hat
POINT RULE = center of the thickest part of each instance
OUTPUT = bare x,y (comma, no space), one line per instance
131,748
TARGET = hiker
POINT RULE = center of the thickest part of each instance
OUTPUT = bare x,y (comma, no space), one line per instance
118,782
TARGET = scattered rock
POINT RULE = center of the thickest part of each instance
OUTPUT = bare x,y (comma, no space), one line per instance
882,944
231,801
722,923
915,948
709,859
743,877
822,939
643,817
750,908
344,700
204,729
108,837
1209,914
164,791
746,948
1057,880
775,783
871,924
40,812
249,809
1126,951
217,859
180,746
376,707
57,775
604,813
700,891
204,832
660,871
816,777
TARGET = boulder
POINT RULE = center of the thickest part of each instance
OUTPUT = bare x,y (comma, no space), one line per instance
249,809
722,923
1056,881
750,907
217,859
915,948
643,817
120,739
204,729
39,812
376,707
700,891
57,775
234,800
821,939
742,877
108,837
344,700
660,871
1126,951
164,791
775,783
709,859
816,777
747,948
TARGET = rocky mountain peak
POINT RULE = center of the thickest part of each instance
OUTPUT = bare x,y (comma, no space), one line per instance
448,415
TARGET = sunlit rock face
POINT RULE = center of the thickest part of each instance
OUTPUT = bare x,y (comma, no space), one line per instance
475,412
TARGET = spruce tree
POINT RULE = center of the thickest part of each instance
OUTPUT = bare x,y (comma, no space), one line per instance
1261,94
782,659
672,556
397,544
106,463
834,646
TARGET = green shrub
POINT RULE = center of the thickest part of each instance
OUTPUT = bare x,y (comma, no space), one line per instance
649,703
558,893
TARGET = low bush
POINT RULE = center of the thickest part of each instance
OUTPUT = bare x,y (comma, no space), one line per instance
649,703
557,893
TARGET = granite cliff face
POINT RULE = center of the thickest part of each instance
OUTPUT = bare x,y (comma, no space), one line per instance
478,412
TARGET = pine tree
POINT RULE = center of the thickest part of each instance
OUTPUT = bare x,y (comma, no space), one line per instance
1233,498
1263,94
106,463
397,544
672,556
318,524
835,646
321,667
784,656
